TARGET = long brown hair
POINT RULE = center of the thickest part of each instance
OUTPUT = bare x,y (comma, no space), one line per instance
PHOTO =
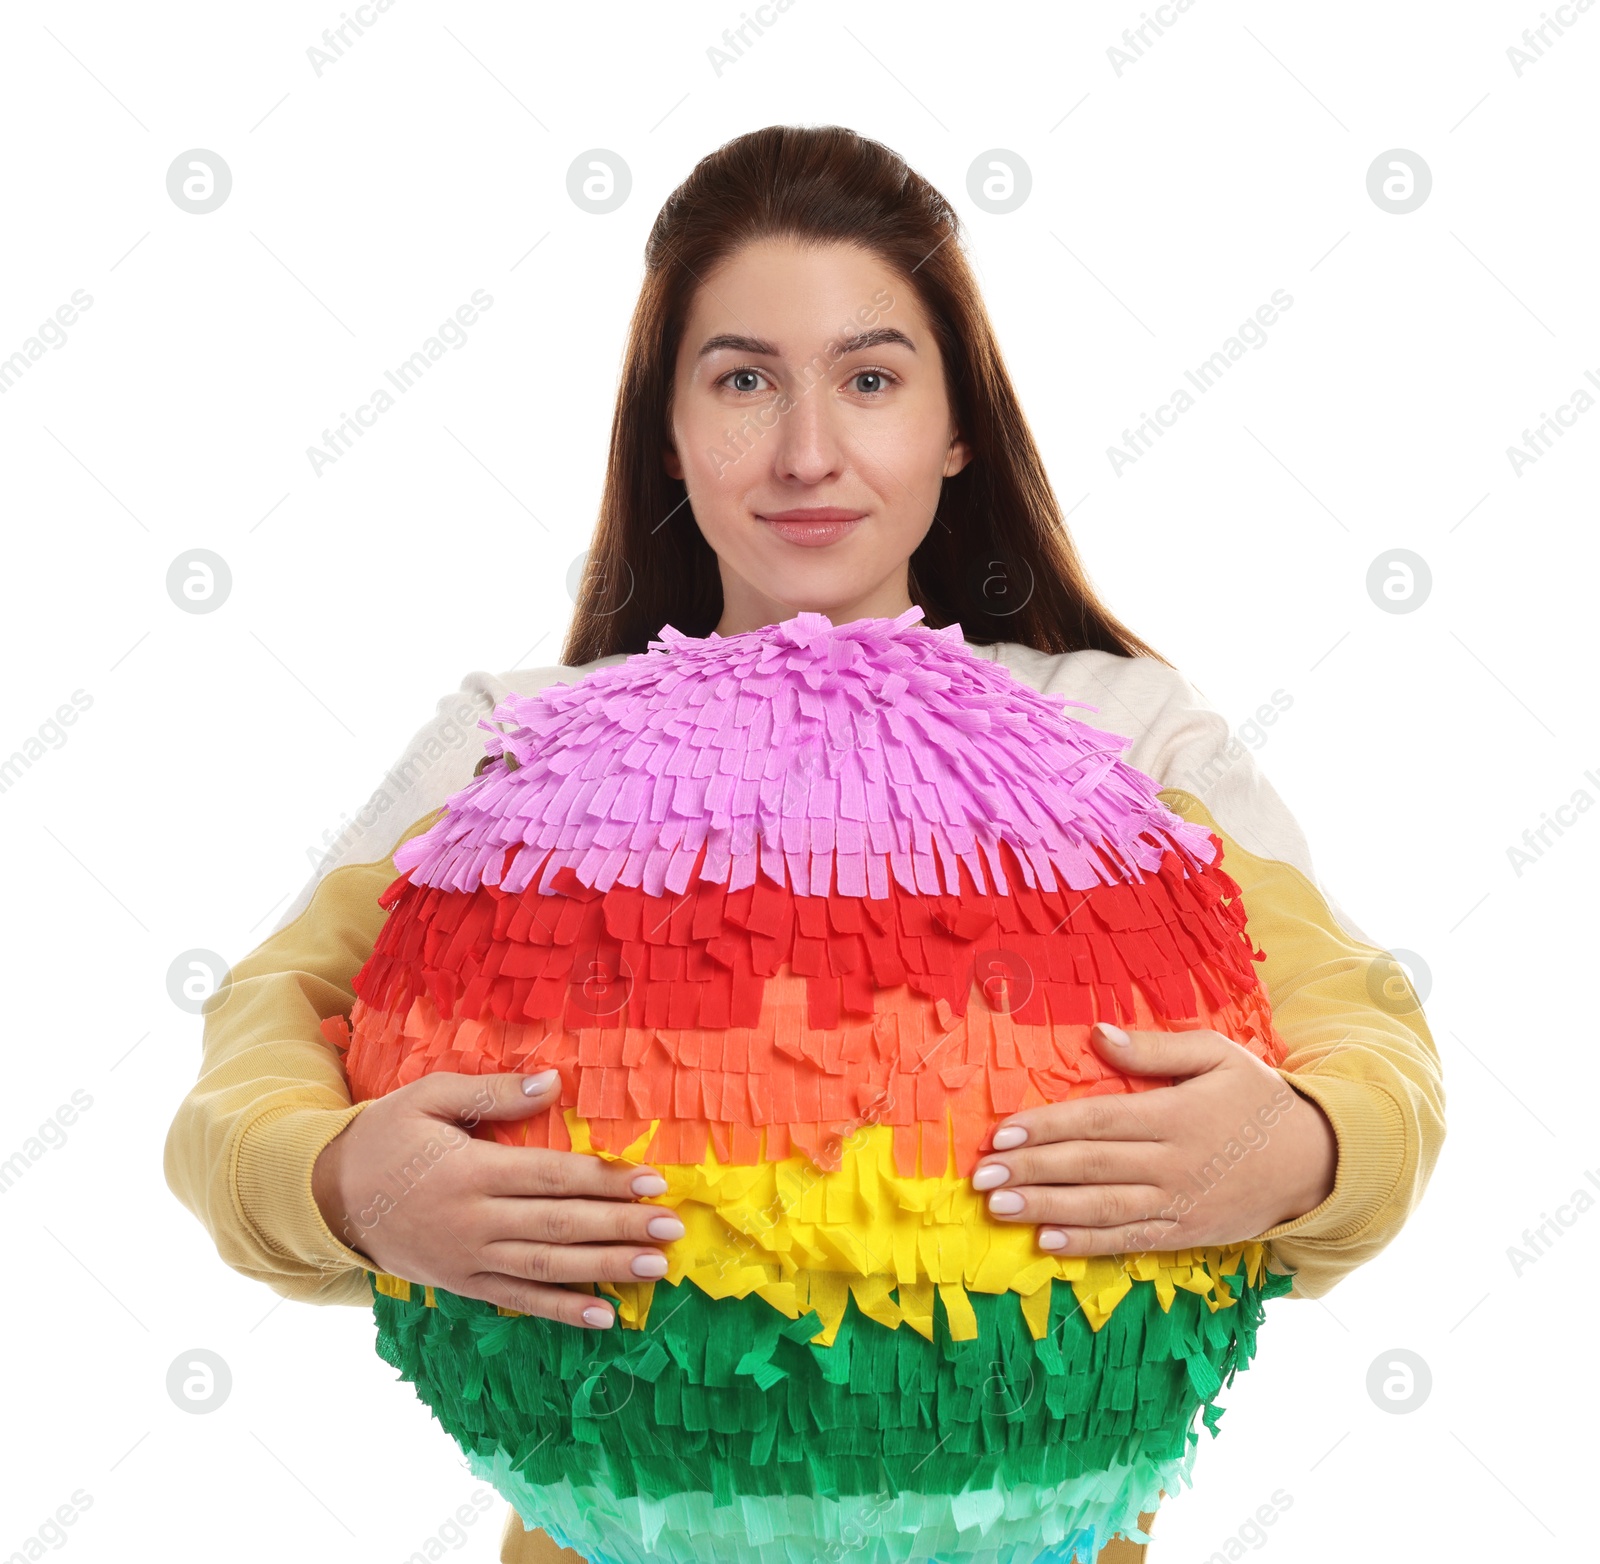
997,559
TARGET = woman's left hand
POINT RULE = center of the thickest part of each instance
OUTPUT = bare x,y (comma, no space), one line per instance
1223,1154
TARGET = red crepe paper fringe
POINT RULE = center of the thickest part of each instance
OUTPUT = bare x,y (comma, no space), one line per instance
700,959
757,1022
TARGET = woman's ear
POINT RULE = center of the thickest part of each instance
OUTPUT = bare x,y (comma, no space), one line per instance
957,457
669,459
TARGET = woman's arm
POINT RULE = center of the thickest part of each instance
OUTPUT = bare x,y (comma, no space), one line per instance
1359,1047
245,1152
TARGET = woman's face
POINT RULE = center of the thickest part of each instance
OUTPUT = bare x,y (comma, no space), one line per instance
808,381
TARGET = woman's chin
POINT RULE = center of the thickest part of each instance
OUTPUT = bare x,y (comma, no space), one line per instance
839,600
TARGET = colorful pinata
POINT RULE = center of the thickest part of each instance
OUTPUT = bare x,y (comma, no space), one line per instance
800,914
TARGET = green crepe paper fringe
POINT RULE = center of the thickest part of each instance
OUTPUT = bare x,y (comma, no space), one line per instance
1020,1524
728,1397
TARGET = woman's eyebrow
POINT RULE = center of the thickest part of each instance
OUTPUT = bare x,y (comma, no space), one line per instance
757,345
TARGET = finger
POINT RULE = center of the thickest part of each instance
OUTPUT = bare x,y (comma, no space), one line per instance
1090,1205
590,1311
533,1262
1156,1237
522,1262
465,1099
579,1222
1072,1162
535,1171
1138,1115
1183,1053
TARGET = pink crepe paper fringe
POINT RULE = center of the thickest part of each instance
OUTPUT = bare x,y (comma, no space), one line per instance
825,756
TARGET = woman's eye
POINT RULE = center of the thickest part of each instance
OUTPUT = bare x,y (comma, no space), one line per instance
747,381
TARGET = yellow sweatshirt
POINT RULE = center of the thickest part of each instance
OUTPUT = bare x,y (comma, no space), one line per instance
271,1092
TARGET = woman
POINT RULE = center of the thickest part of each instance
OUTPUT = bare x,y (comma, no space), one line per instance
814,418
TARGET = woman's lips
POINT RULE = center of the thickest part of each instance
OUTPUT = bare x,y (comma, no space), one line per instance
812,528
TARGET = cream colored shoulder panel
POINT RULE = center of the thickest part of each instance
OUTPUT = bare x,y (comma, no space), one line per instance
1177,738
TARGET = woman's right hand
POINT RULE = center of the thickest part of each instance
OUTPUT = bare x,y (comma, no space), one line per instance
406,1184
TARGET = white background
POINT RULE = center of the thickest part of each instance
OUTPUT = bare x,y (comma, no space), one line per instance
1168,202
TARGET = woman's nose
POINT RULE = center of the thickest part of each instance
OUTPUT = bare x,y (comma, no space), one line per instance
808,442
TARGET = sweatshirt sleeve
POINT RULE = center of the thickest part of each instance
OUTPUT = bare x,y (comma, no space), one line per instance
271,1091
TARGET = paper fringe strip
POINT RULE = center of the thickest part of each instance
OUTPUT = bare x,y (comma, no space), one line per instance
804,1242
746,1426
685,1030
698,958
1005,1524
874,750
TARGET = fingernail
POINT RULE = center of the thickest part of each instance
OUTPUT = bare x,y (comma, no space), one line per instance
990,1174
595,1315
648,1184
1007,1202
1011,1135
543,1081
1113,1034
649,1265
1052,1238
664,1227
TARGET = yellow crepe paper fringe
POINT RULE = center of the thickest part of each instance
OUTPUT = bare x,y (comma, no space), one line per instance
803,1239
